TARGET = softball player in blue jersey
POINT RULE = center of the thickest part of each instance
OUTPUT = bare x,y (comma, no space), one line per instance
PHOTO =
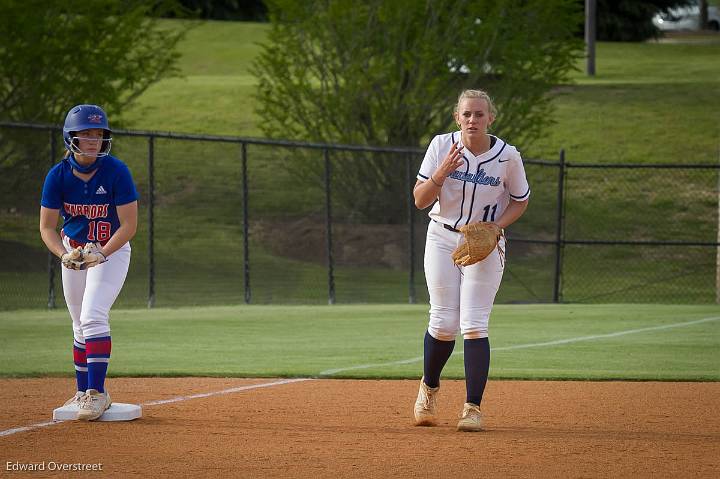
95,194
467,176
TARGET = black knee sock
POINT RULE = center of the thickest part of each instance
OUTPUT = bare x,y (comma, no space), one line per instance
437,354
477,364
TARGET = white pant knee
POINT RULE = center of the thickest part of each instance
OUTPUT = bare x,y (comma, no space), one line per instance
96,329
474,323
444,323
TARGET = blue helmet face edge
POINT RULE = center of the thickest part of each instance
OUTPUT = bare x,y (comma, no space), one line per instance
86,117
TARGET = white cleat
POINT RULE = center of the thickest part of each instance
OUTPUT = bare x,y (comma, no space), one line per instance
426,405
471,419
75,400
93,404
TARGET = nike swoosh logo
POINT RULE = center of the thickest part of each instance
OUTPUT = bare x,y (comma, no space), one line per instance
503,161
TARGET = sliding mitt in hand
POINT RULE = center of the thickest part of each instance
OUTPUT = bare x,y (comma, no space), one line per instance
73,259
83,257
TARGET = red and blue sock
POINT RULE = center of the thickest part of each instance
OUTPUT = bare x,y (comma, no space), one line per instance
81,369
477,366
98,357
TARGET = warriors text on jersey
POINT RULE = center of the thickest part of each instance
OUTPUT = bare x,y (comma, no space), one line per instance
89,209
482,188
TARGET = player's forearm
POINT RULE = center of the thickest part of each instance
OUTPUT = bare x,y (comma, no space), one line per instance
512,213
48,231
124,233
425,194
52,240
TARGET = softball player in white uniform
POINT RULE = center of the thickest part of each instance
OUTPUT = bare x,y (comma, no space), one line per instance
468,176
97,199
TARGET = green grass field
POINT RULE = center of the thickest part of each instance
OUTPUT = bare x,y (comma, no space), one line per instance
598,342
214,93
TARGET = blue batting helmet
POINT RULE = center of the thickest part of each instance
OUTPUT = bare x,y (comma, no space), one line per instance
85,117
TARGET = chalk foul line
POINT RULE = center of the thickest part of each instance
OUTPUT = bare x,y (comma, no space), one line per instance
225,391
15,430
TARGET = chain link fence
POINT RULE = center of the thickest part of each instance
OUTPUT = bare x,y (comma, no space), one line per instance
226,220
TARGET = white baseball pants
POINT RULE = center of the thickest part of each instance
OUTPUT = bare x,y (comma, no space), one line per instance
461,297
90,293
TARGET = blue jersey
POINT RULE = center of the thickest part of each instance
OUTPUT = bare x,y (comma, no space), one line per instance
89,209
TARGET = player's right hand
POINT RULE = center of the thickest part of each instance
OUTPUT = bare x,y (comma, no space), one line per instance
452,161
73,259
92,255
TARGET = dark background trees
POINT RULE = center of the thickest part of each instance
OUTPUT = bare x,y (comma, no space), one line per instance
630,20
617,20
243,10
57,53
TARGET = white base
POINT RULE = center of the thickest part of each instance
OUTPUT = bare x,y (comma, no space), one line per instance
118,411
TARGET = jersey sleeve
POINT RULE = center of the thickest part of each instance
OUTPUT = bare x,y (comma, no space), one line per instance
125,191
430,162
52,190
517,183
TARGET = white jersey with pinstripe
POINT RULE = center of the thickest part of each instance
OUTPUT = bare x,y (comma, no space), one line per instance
482,188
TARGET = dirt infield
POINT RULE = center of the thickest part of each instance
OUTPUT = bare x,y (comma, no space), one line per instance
344,428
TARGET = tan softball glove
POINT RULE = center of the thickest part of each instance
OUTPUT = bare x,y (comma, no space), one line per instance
480,240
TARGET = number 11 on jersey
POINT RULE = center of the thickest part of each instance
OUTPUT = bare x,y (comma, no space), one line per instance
487,212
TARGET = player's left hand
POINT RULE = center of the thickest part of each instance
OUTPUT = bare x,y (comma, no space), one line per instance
480,240
92,256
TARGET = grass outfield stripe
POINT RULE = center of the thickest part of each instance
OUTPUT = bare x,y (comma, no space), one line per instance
15,430
602,336
330,372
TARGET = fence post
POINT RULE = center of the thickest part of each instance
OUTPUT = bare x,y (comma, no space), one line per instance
411,227
560,230
51,256
151,221
590,35
246,224
328,229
